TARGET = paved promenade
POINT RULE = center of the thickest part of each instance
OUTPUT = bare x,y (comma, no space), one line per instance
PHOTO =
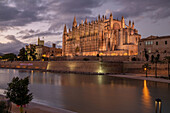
143,77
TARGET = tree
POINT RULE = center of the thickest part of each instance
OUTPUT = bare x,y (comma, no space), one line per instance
18,92
152,59
9,56
146,67
168,60
146,55
23,54
32,52
156,61
3,107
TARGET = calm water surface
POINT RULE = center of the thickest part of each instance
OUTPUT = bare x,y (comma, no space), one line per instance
92,93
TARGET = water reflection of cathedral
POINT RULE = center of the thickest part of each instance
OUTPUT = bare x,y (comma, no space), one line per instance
104,37
38,77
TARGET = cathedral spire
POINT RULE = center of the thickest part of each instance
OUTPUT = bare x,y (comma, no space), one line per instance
123,22
74,22
81,22
129,23
65,29
98,17
133,25
86,21
111,16
103,17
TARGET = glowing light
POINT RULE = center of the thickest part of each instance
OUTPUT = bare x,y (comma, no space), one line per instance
100,70
36,67
31,78
125,54
145,69
114,54
101,54
44,55
146,98
145,84
72,66
100,79
18,66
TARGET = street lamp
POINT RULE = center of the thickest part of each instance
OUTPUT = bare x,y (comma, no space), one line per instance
145,69
158,102
168,68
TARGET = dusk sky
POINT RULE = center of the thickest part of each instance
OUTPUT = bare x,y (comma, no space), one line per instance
23,21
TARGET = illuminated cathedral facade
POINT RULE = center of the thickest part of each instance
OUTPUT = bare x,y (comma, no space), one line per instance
104,37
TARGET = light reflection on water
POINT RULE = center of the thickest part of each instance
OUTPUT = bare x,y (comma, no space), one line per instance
146,98
92,93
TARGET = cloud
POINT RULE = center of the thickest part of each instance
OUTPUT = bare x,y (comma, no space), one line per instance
58,44
28,32
66,10
59,12
154,9
11,47
41,34
20,14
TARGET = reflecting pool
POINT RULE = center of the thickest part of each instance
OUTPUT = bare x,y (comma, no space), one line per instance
92,93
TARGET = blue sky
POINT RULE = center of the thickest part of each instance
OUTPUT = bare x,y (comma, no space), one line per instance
23,21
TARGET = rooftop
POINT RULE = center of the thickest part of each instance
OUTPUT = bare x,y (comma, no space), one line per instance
154,38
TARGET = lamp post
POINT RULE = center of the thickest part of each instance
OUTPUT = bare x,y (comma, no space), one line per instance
168,68
145,69
158,105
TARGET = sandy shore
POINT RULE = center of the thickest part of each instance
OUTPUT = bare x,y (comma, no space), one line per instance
36,108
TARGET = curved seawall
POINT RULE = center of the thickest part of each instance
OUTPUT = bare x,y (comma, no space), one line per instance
92,67
86,67
24,65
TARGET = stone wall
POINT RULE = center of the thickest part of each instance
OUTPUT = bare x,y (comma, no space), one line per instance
24,65
136,67
88,67
94,58
93,67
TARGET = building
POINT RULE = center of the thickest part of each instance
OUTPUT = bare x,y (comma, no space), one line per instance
47,52
42,51
55,51
154,45
105,37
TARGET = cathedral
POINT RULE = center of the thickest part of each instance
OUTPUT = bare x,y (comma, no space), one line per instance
103,37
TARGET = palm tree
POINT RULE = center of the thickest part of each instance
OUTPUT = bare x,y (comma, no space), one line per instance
156,61
168,59
146,67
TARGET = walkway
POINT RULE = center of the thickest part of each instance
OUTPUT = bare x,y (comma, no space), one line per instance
142,77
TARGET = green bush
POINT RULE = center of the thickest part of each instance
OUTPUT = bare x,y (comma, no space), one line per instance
3,107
